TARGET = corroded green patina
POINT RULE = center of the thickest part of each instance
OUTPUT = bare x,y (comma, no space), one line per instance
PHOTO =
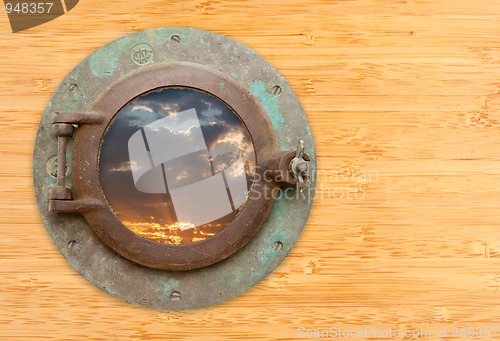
270,103
167,289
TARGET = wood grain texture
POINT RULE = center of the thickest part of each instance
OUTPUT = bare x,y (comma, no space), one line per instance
404,101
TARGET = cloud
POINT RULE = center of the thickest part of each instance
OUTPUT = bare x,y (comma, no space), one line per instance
136,107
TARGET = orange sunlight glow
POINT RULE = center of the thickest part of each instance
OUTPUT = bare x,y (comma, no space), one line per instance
178,233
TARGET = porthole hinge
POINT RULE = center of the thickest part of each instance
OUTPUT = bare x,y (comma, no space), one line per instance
76,118
73,206
63,127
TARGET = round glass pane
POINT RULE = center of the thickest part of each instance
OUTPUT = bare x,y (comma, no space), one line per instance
175,165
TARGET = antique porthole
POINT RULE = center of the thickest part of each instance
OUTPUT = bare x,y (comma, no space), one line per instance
174,168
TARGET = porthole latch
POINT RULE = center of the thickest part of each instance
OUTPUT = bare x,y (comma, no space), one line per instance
299,168
291,168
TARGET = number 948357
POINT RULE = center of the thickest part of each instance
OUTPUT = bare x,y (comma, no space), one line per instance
29,7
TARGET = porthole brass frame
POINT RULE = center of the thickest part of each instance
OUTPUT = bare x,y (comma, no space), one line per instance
83,226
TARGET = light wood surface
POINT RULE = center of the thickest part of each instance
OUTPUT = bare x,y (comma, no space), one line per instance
404,101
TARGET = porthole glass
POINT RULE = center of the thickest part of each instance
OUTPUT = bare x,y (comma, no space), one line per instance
175,165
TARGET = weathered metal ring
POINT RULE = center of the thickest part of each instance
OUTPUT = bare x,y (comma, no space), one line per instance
80,92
